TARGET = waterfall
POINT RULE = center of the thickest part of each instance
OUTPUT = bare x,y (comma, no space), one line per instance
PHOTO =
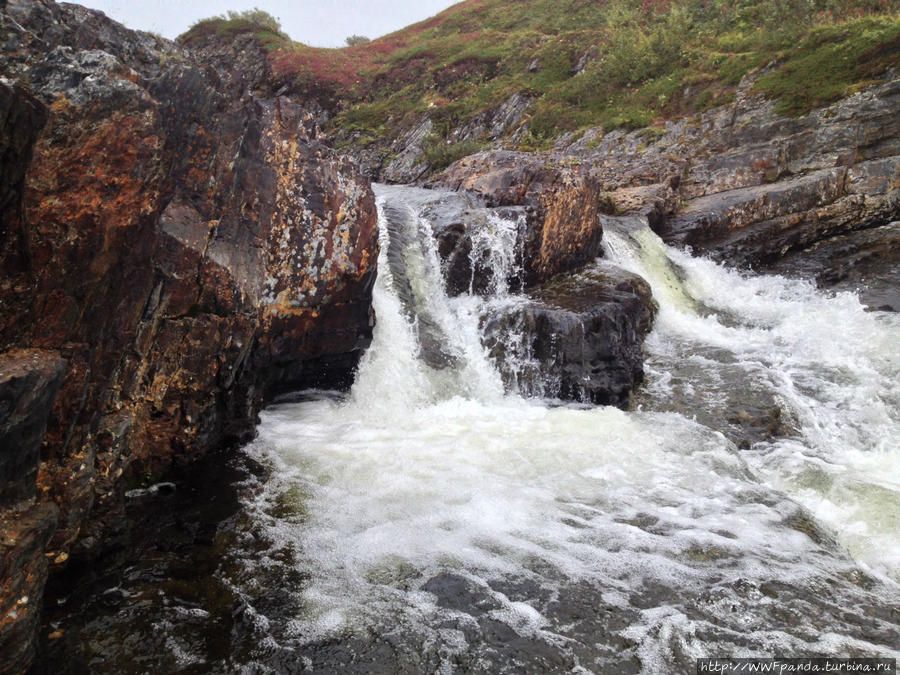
436,522
831,368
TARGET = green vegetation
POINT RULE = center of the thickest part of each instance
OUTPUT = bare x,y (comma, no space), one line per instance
832,61
227,26
585,63
440,154
356,40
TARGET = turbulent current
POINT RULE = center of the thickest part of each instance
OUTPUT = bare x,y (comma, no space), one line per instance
441,524
429,521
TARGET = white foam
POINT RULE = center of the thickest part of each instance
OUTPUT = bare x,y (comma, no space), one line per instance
422,472
834,366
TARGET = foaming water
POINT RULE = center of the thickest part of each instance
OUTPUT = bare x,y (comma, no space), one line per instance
440,524
832,367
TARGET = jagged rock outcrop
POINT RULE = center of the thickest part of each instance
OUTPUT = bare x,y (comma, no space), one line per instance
562,203
187,246
408,163
578,337
405,160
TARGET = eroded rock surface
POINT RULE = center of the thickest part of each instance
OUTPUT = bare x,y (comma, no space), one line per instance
184,242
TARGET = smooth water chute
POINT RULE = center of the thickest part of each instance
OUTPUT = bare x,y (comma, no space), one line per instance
408,264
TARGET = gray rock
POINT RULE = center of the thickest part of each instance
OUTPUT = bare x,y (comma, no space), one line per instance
409,160
84,77
866,262
577,338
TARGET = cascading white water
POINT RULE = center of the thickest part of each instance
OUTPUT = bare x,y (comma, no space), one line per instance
465,527
833,366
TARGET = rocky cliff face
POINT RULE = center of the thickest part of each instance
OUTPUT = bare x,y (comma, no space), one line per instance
177,245
184,243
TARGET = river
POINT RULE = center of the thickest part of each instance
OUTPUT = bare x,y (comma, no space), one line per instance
432,521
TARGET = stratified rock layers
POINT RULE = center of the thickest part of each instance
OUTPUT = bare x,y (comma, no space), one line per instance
739,183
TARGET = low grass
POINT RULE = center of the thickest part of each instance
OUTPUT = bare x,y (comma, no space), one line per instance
439,154
833,61
644,61
226,27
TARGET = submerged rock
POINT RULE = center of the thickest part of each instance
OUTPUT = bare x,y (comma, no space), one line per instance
577,338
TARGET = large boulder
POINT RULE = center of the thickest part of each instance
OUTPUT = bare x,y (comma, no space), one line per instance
579,337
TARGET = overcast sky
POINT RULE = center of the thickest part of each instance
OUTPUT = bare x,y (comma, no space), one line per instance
321,23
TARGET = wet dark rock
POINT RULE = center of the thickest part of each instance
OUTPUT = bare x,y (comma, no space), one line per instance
460,594
866,262
578,338
24,535
465,230
404,233
29,382
22,116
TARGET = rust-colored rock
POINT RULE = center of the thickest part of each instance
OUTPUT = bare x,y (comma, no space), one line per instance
188,246
563,204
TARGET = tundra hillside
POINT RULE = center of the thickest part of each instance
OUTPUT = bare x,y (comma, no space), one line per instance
523,74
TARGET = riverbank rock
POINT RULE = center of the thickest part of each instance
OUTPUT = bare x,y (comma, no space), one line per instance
188,247
739,182
578,337
866,262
